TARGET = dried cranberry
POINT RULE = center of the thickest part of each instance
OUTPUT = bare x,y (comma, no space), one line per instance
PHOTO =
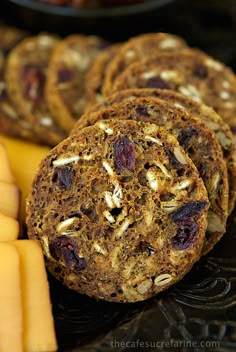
3,94
119,2
186,135
186,234
34,81
80,4
142,110
56,2
189,210
65,249
146,247
63,176
157,82
202,169
65,75
2,73
233,129
124,154
200,71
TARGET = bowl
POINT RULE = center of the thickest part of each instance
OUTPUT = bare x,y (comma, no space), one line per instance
116,23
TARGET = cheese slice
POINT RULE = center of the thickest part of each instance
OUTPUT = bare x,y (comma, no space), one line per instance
39,333
5,172
10,300
9,228
24,160
9,199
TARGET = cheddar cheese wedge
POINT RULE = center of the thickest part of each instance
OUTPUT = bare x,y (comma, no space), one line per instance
9,228
5,171
9,199
38,332
11,329
24,160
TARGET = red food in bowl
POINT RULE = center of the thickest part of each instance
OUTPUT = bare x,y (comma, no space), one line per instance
79,4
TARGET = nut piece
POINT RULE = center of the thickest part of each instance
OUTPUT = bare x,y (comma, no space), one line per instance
224,95
108,199
99,249
129,54
46,246
154,140
114,199
162,279
108,216
64,161
46,121
149,74
214,64
105,128
108,168
169,75
215,181
225,142
144,286
163,169
182,185
179,156
191,91
170,206
152,180
214,224
124,226
8,110
117,195
168,43
62,226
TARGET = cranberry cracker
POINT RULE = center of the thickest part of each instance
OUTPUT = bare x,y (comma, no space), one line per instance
211,119
120,211
26,74
197,140
136,49
68,66
11,123
94,79
189,72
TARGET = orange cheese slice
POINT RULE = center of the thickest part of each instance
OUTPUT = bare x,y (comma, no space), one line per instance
38,332
10,300
24,159
9,228
5,172
9,199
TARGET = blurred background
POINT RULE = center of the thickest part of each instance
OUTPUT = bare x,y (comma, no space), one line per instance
210,25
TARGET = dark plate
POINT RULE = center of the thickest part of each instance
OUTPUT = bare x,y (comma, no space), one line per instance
199,313
112,23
